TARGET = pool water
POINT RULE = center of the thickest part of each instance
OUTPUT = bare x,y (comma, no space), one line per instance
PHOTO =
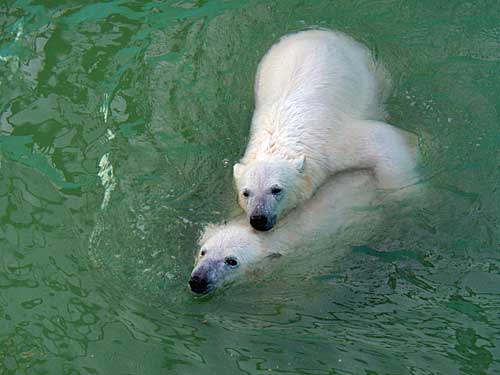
119,125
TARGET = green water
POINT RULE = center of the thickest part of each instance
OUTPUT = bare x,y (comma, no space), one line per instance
119,124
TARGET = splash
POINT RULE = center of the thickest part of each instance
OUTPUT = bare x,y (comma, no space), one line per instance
107,177
105,107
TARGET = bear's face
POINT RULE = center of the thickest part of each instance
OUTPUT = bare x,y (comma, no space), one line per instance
268,188
224,255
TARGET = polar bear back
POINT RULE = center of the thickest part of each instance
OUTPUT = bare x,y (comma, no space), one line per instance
319,66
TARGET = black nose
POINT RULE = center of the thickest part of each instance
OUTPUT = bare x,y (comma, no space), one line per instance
260,222
198,285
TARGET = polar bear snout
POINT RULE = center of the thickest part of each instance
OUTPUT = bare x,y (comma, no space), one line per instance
199,284
262,222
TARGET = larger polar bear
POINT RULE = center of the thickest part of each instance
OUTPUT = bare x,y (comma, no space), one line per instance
314,92
340,205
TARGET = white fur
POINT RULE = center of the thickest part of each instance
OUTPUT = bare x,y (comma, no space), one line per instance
314,94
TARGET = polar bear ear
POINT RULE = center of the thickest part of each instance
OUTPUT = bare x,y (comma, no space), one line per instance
273,256
237,170
299,163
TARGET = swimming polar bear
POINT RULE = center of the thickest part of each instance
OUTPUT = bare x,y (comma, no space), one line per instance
343,203
314,92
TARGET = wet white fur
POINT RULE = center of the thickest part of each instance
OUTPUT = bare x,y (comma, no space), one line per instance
314,92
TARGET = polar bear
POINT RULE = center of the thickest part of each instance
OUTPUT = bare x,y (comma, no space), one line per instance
342,203
315,91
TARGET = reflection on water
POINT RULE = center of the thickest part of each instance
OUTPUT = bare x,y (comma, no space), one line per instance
119,124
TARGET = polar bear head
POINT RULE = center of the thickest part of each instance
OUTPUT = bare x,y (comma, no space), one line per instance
225,252
268,188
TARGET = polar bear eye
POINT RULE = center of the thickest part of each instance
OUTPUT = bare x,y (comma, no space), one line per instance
203,253
275,190
230,261
246,193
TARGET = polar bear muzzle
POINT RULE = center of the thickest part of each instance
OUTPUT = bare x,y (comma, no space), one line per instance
262,222
199,284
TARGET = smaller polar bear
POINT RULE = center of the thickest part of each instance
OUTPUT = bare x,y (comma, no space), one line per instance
314,92
342,204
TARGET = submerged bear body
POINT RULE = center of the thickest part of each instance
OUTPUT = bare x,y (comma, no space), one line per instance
342,204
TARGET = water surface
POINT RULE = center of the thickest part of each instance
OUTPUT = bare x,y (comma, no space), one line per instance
119,125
